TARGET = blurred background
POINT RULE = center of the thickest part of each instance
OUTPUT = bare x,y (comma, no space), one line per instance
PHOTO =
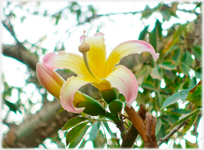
32,29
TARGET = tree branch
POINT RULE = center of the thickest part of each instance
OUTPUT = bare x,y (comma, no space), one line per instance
132,133
146,128
37,127
129,138
175,129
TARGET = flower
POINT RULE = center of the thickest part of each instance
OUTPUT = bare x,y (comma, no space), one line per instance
95,68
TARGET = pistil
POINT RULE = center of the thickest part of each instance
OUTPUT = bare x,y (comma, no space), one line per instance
83,48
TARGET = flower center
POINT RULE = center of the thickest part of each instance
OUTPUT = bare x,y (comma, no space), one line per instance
83,48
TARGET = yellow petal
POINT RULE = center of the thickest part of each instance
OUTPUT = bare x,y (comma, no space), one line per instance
69,94
102,85
69,61
97,54
127,48
49,79
125,82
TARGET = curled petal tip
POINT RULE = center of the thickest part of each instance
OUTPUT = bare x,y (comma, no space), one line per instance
156,56
69,94
125,82
47,59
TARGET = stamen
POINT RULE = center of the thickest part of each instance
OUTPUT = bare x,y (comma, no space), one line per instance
83,48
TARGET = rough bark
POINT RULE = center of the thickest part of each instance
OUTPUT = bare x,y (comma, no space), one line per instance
21,54
26,57
130,137
37,127
146,128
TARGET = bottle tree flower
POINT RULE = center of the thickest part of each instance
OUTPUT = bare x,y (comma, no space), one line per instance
95,68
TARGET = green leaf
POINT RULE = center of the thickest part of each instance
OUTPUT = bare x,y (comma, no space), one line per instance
153,38
100,141
175,37
193,82
181,95
73,122
197,51
166,15
191,145
78,14
186,63
109,130
177,56
187,59
75,132
83,143
185,68
155,35
185,117
158,126
190,122
79,138
168,65
94,131
158,7
198,5
143,73
159,29
155,74
194,95
147,12
148,86
190,26
198,72
143,33
12,106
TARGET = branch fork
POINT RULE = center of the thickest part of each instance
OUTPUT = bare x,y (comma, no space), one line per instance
145,124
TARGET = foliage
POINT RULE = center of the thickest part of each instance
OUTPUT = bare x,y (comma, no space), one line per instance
173,80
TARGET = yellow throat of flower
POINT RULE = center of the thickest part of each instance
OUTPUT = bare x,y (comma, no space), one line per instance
83,48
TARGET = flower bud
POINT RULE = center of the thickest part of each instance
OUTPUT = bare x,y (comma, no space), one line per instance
109,95
115,106
49,79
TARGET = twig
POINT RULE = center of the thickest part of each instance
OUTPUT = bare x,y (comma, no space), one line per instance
175,129
124,117
9,27
121,127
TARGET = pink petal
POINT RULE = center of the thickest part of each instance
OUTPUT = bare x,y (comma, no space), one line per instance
69,93
49,79
124,80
